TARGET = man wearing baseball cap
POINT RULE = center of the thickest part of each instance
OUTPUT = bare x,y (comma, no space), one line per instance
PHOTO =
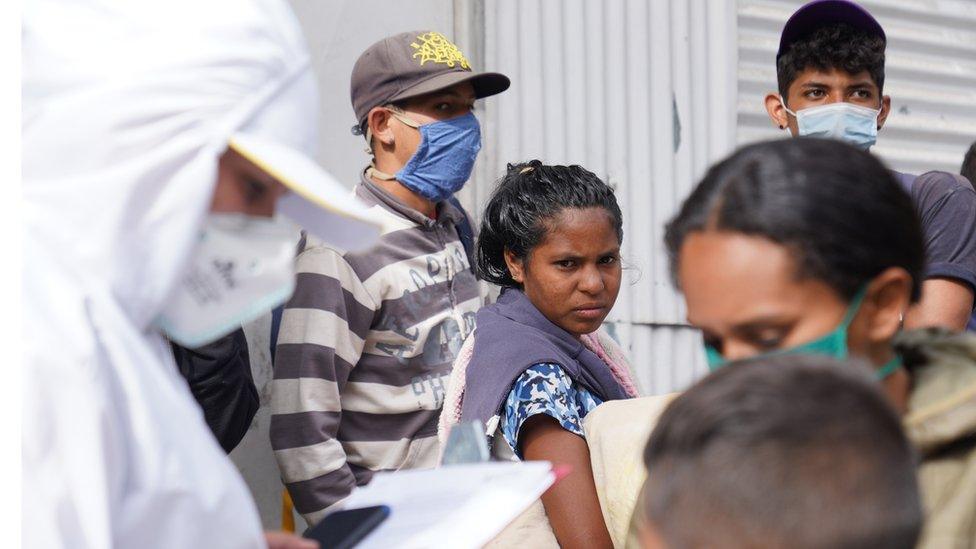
830,71
368,341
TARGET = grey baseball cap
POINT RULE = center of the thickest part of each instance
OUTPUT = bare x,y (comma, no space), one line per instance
410,64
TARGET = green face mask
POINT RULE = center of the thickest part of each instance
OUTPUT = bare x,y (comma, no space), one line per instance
833,344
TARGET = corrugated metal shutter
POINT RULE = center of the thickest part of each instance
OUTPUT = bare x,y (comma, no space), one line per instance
930,76
638,92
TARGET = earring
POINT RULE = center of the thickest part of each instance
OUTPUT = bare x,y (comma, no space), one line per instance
782,127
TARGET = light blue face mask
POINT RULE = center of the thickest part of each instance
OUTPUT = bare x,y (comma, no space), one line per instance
444,159
848,122
833,344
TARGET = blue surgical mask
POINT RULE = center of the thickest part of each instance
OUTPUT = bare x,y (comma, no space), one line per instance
444,159
848,122
833,344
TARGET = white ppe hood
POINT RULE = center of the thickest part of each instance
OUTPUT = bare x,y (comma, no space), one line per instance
127,106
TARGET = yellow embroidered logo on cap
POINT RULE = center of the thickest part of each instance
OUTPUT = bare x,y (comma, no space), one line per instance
435,47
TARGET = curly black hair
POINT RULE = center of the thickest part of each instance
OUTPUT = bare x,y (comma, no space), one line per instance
837,46
527,198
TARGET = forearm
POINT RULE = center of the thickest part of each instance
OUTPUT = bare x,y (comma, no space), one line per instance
945,303
312,462
572,505
320,340
305,412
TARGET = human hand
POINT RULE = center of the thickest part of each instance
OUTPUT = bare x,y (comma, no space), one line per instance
284,540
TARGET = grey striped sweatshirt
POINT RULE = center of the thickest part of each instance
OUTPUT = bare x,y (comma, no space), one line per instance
365,351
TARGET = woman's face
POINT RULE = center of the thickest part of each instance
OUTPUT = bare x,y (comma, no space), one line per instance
743,292
573,275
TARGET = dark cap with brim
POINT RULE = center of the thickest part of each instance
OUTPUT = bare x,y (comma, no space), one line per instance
411,64
484,84
820,13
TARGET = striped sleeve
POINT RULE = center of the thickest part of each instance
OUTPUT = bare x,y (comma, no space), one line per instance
323,328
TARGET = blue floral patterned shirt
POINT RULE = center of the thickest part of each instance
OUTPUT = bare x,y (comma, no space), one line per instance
546,389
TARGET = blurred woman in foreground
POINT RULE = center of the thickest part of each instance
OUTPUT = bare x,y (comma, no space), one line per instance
811,247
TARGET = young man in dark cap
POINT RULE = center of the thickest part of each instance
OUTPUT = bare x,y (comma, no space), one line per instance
368,340
830,71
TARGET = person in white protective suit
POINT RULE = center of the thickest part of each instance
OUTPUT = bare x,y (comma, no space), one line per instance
165,145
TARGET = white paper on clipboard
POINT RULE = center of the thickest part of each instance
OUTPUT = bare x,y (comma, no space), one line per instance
462,506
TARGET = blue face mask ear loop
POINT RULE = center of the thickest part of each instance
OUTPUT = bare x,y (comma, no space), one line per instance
787,109
402,117
399,115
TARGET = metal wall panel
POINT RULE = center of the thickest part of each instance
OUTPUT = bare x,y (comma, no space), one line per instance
930,76
665,358
639,92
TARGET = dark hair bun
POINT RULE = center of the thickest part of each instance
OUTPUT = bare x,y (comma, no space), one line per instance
529,194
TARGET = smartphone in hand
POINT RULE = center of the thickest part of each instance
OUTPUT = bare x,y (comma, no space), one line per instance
344,529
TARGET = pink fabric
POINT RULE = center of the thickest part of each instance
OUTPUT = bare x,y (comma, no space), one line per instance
451,411
612,355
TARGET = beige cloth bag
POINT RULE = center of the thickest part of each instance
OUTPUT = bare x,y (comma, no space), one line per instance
617,432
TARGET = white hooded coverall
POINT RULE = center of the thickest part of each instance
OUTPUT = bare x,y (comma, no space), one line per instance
127,105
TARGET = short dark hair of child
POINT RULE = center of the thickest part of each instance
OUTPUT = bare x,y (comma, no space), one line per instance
968,169
793,451
518,212
837,46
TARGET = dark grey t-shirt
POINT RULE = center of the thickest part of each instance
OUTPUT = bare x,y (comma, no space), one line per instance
946,205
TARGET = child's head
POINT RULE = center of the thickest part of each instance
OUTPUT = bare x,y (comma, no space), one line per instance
554,232
785,451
